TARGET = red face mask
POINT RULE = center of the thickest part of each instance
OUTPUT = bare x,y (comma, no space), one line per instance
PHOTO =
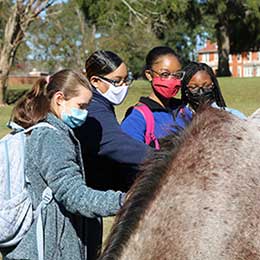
167,88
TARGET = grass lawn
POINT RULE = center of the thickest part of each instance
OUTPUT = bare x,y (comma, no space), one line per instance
5,112
240,93
4,118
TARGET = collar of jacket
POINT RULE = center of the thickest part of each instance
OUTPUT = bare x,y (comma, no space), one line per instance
58,123
154,106
97,97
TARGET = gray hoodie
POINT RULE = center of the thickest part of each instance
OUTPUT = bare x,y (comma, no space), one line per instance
53,158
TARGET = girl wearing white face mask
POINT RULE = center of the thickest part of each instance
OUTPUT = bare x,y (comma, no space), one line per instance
111,158
116,92
53,159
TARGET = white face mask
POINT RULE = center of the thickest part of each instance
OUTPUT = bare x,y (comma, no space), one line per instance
115,95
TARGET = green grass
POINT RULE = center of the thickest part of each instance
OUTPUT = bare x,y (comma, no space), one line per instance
4,118
139,88
242,94
5,112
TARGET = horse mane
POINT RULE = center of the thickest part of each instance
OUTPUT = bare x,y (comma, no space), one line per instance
153,173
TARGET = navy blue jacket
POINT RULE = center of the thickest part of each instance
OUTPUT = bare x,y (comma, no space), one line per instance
111,158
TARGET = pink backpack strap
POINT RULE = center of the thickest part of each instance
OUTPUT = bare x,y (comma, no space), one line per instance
149,120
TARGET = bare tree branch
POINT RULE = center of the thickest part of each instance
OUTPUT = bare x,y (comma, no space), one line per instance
138,15
23,14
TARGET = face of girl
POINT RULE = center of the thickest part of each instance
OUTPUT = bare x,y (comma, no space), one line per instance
200,90
81,101
200,79
164,67
118,78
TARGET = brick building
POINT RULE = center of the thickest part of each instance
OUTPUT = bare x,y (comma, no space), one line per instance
27,79
246,64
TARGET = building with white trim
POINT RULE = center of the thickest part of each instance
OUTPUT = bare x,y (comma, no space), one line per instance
245,64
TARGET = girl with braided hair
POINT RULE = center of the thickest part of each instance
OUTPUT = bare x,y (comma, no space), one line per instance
200,85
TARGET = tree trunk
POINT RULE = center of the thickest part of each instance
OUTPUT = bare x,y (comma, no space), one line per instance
6,61
21,16
3,87
223,50
12,38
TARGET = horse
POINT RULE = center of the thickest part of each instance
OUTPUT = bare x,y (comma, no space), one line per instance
255,117
197,198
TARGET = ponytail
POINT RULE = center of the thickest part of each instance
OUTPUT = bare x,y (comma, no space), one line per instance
33,107
36,104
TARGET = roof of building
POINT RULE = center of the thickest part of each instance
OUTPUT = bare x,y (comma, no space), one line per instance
210,47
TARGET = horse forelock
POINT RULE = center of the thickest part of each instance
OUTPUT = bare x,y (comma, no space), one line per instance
153,173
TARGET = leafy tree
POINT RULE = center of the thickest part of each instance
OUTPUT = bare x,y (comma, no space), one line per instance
245,32
236,26
64,38
4,7
22,14
178,24
131,44
132,28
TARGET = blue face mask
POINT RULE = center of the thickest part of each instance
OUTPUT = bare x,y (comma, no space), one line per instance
76,118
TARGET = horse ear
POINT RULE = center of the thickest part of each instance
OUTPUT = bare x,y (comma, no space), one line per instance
255,117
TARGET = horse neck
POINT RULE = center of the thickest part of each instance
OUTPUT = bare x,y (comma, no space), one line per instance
206,202
208,189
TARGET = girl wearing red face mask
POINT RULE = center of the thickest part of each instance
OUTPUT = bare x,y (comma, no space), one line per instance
159,114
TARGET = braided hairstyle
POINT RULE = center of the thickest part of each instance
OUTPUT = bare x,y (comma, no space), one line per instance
190,70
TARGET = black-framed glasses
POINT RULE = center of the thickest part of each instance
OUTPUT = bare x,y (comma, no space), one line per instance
205,87
166,75
120,82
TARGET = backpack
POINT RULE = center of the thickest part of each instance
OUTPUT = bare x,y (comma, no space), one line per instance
16,211
149,120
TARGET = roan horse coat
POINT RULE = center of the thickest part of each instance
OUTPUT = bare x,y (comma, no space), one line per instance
198,198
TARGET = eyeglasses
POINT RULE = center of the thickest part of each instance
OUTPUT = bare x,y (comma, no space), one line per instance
118,83
195,88
166,75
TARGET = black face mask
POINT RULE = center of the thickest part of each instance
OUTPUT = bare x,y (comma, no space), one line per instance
199,97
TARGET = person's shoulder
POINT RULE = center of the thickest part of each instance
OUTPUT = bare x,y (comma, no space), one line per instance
50,130
236,112
232,111
135,112
45,135
129,111
134,119
185,110
98,107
